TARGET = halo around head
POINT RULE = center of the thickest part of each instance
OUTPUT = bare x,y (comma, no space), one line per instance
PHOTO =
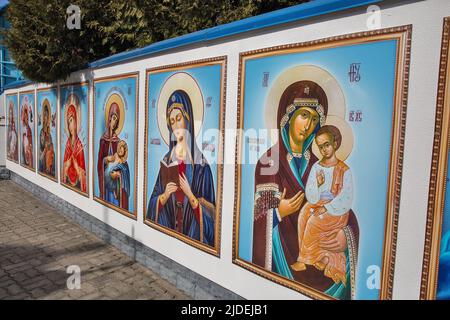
72,99
115,98
333,91
24,109
347,138
46,103
180,81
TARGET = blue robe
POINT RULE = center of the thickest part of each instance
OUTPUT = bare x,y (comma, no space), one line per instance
112,186
201,181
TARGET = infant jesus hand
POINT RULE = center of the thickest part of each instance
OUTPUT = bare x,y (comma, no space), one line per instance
320,176
320,211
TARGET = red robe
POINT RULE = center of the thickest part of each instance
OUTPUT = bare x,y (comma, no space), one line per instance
28,157
77,152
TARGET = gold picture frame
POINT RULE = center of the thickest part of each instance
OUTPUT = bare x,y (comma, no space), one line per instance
222,61
55,178
34,169
438,174
76,84
402,35
129,214
18,119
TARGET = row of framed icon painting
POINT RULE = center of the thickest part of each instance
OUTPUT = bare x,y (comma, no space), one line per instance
32,133
316,192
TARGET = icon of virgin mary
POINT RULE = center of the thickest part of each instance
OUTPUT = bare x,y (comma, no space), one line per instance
12,138
114,181
26,134
183,198
46,149
279,194
74,168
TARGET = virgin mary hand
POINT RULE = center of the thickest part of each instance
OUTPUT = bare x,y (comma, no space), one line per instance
320,211
292,205
67,165
75,164
171,187
185,187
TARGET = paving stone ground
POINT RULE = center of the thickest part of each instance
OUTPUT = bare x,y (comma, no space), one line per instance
37,244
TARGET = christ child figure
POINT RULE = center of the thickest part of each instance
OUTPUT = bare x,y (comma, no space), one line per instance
116,171
329,195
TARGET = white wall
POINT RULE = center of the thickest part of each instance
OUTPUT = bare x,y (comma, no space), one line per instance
426,18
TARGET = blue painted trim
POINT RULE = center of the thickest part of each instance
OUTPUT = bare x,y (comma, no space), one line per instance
295,13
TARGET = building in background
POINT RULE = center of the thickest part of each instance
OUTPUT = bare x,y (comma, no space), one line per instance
8,70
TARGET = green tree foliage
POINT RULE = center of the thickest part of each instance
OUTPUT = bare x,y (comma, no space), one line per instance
170,18
45,50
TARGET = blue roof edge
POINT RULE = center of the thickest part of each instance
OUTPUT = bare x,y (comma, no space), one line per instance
274,18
